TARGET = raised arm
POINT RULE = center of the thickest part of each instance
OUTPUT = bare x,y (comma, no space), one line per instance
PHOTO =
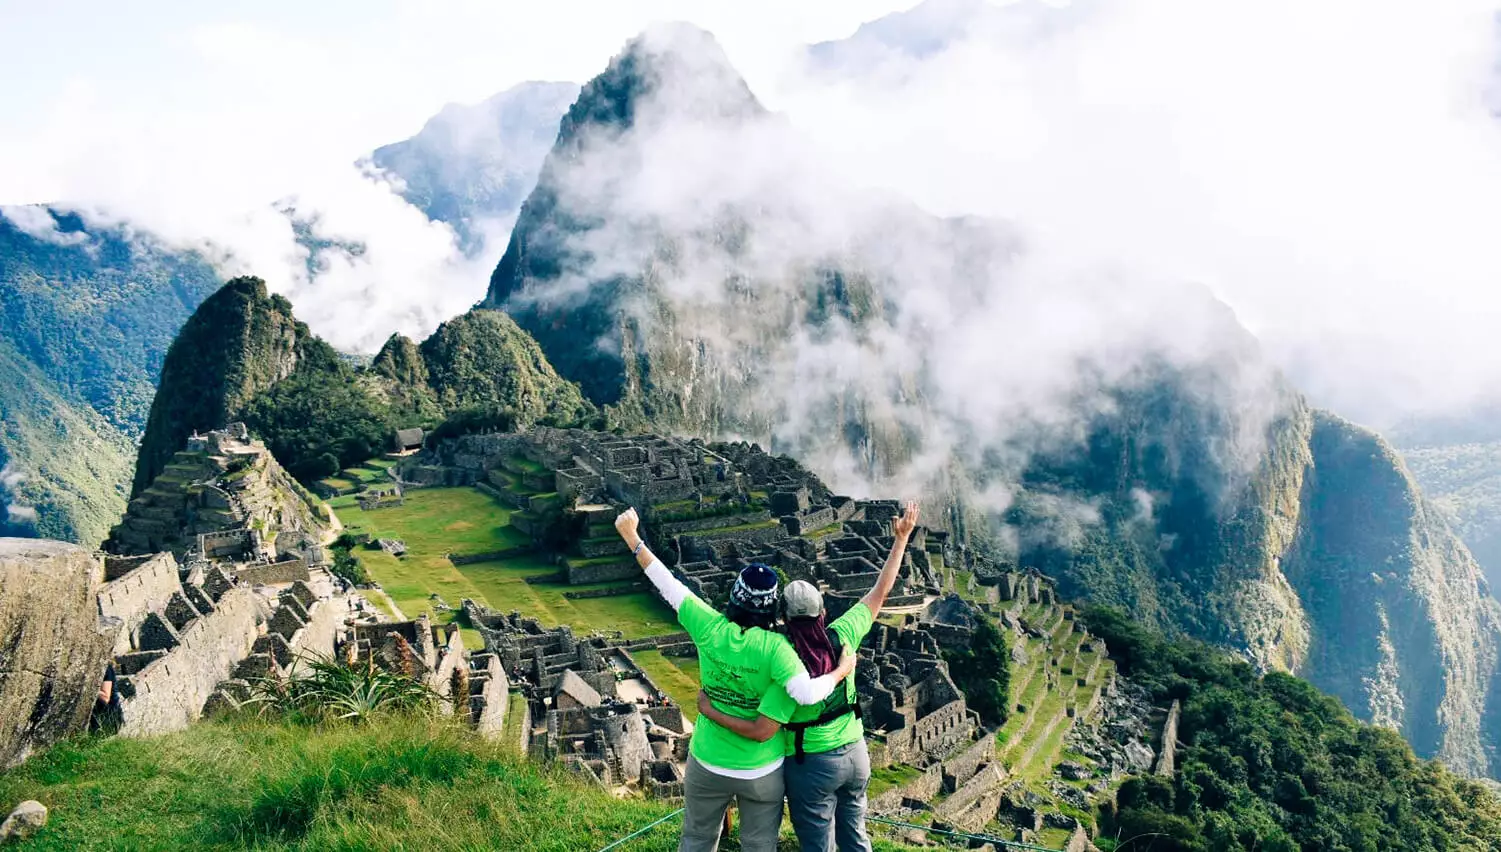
671,588
901,531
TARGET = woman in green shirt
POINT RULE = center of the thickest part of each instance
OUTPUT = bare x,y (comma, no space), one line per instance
746,670
830,769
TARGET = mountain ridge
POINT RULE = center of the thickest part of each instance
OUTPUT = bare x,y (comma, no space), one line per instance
1172,497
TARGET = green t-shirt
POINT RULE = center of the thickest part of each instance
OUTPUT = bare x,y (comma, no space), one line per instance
851,629
743,672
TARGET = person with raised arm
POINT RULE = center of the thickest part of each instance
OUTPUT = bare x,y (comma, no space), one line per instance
830,768
747,670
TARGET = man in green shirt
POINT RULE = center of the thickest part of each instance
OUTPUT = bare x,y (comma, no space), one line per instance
746,671
830,769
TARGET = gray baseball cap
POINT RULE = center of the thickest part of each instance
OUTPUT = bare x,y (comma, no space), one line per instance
803,599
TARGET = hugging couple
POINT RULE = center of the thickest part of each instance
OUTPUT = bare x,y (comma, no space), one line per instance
778,712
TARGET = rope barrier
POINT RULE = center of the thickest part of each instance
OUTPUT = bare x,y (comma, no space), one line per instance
984,838
644,829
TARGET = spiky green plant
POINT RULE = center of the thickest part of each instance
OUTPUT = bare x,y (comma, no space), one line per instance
318,687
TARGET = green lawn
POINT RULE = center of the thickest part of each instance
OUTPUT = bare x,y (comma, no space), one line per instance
403,783
886,777
397,782
678,677
436,521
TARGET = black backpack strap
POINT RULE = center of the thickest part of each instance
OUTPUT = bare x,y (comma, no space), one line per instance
831,714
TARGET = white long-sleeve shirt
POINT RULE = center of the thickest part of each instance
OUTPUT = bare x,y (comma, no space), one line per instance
802,688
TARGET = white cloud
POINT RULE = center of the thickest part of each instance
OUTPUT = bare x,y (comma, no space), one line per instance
1331,171
38,222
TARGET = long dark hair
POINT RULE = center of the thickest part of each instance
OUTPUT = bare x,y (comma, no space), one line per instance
748,618
810,638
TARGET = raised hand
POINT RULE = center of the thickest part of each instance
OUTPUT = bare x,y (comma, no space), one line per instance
626,523
903,526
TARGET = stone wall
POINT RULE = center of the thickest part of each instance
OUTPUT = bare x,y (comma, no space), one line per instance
232,544
169,694
975,803
53,644
146,588
489,694
317,637
624,570
1166,758
960,769
920,789
286,571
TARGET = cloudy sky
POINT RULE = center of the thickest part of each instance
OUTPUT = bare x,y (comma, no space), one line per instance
1331,170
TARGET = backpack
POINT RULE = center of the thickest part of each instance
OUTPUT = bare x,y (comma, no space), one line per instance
833,711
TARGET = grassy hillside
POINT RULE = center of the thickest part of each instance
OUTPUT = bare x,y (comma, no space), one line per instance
1270,763
86,315
65,466
400,782
95,309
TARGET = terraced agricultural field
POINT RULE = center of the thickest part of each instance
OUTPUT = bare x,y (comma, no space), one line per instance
434,522
1032,743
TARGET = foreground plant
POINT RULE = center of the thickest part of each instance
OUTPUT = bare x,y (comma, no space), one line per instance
323,688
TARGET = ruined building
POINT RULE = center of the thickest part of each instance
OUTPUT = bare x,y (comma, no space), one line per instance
588,704
224,499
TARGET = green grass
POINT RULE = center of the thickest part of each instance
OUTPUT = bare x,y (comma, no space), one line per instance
525,464
515,705
435,521
886,777
677,676
402,783
397,782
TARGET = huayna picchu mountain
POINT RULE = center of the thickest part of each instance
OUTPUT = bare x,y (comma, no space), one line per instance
682,263
243,356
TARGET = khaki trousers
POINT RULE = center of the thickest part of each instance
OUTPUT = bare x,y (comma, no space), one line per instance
708,795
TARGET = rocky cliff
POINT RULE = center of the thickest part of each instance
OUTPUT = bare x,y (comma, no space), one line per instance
53,646
239,342
471,166
1404,628
1164,467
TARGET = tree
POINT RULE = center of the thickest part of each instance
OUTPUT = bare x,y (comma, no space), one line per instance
983,672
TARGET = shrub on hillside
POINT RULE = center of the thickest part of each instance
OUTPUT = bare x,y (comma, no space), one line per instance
1269,762
983,671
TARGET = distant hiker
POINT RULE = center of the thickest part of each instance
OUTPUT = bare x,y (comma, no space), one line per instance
105,718
830,767
745,669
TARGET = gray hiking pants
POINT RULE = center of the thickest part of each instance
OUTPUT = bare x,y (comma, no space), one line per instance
708,795
826,798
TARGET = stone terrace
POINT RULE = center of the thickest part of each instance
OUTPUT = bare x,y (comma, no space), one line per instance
588,704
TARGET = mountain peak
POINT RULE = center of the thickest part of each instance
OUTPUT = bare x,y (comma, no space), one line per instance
669,71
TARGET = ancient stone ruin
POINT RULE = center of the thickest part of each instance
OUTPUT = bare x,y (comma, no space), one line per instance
225,499
588,704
